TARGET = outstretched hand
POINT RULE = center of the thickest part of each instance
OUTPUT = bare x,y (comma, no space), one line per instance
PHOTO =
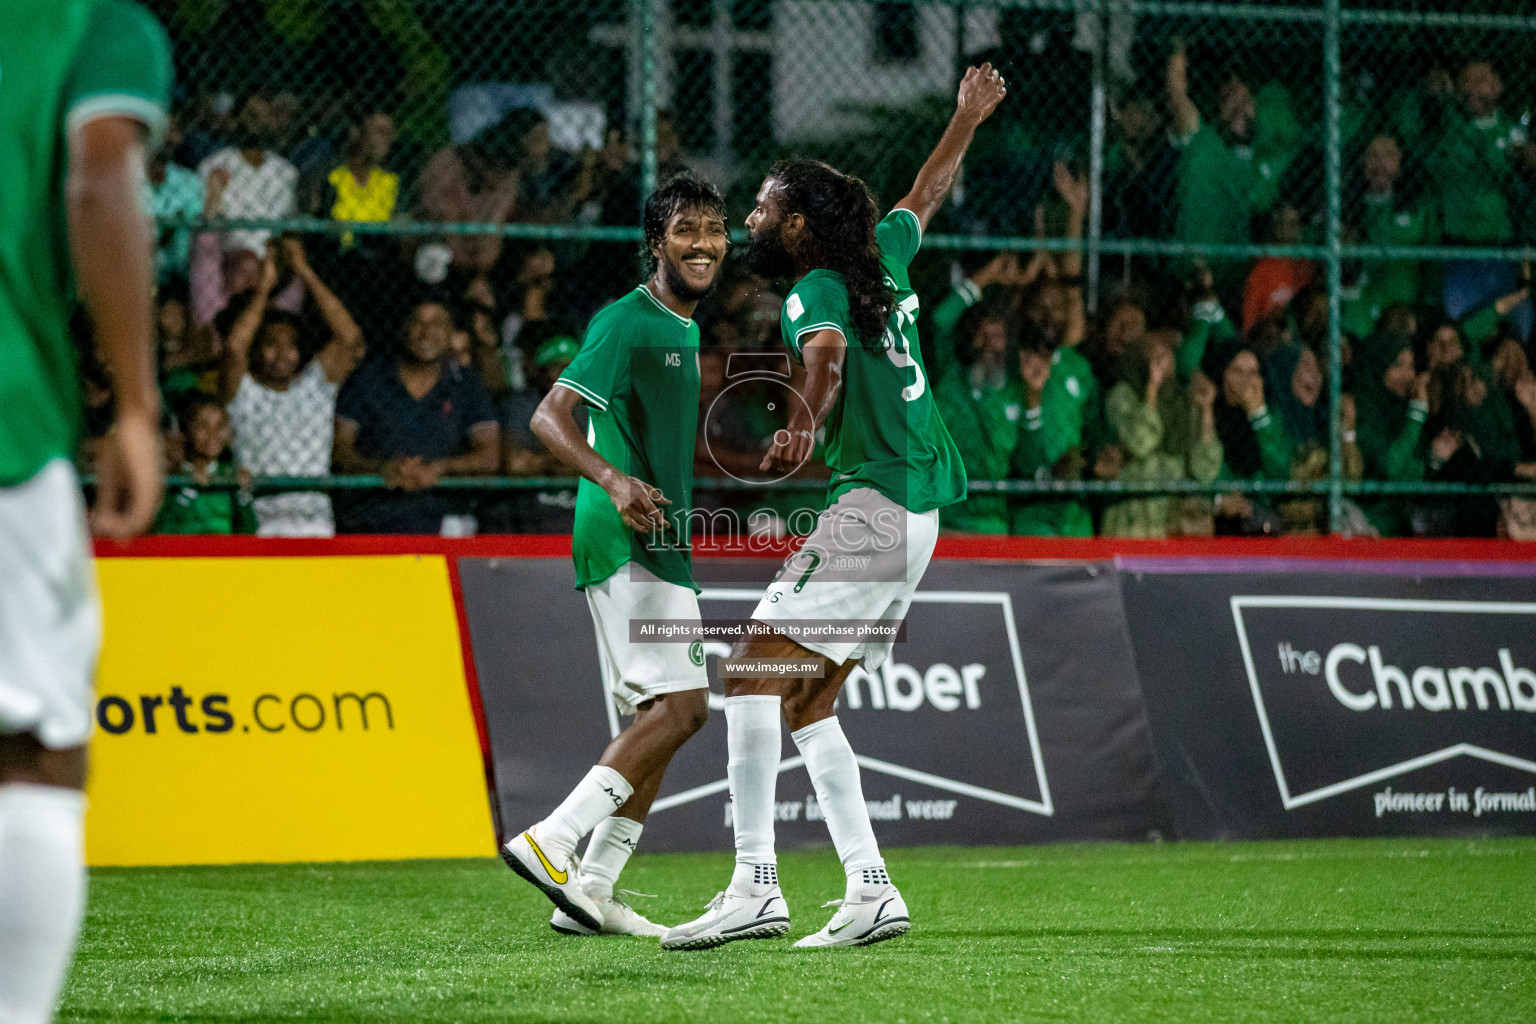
1072,189
981,90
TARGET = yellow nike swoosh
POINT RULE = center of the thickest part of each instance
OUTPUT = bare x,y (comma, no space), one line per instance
559,877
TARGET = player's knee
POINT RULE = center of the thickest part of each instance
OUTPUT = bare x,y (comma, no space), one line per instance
798,703
687,711
809,700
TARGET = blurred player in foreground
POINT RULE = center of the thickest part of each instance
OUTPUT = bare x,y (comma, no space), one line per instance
83,90
851,321
638,369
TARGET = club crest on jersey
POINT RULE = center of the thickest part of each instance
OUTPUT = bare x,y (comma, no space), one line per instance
795,307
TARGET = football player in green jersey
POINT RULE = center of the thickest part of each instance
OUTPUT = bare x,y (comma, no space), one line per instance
638,370
83,90
851,321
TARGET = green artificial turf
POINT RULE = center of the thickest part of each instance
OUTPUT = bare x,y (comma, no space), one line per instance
1355,931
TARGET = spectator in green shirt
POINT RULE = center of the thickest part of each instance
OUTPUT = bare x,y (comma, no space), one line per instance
1294,382
1392,404
1168,433
1478,160
1206,326
192,509
1061,409
981,398
1001,279
1231,169
1386,214
1061,406
1482,163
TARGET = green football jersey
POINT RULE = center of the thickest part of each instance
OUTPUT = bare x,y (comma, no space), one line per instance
885,431
639,369
62,63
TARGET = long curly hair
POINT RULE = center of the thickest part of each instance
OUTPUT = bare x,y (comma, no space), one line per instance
840,217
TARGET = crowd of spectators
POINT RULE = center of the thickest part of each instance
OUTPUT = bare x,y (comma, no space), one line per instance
417,356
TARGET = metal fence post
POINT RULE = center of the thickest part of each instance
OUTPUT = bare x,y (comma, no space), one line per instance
1332,143
1096,159
645,20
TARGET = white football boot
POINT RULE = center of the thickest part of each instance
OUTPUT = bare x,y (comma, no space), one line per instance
619,918
730,917
523,855
881,917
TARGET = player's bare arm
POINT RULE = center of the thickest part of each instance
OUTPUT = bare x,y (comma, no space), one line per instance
114,266
824,353
554,423
981,90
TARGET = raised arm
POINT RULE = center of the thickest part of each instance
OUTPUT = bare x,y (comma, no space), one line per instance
345,350
114,265
1186,116
237,347
823,353
981,91
554,423
1074,191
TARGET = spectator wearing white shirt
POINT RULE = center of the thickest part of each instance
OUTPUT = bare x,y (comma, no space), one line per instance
217,275
262,185
284,415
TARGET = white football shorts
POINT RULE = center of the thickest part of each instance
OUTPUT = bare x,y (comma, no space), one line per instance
50,611
635,672
862,563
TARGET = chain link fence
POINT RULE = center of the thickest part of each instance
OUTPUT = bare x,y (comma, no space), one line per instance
1204,235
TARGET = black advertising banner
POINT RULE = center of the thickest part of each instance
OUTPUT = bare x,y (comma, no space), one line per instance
1010,714
1291,704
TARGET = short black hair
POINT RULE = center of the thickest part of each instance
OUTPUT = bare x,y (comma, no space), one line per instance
684,191
197,402
282,318
970,323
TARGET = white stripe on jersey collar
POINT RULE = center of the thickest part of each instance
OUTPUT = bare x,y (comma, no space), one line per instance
680,319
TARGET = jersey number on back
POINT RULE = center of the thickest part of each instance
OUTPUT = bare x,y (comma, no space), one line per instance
896,347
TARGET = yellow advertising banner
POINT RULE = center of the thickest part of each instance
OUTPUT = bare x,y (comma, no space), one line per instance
282,709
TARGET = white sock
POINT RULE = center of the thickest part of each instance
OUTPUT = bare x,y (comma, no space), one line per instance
834,773
752,764
613,840
598,795
42,896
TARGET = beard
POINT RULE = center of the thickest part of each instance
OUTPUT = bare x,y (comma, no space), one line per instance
767,256
678,285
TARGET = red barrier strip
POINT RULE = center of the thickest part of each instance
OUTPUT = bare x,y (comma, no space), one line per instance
987,548
472,681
